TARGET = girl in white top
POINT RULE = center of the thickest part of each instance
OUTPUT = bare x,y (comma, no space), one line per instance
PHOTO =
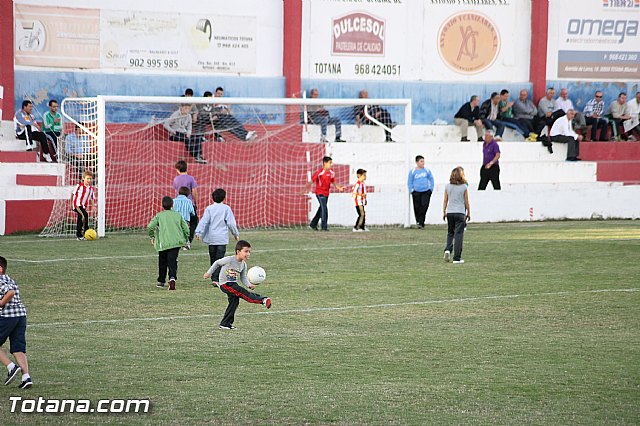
456,212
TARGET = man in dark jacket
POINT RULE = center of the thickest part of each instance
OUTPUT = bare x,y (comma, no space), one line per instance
469,113
489,115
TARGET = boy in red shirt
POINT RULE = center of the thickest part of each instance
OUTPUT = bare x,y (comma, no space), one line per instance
323,179
82,194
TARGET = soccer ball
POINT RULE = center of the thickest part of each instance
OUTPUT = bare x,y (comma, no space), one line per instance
90,234
256,275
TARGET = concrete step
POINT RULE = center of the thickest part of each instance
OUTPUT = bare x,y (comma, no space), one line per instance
18,156
7,129
12,144
33,168
23,192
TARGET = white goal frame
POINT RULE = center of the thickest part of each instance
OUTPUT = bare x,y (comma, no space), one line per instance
301,102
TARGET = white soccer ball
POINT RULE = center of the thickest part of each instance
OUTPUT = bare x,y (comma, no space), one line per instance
256,275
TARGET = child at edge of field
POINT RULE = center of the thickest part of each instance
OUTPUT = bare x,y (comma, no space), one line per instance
323,178
82,193
456,211
217,221
359,195
184,206
168,232
13,325
185,179
233,271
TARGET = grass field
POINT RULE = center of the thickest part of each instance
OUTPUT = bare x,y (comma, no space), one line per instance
541,325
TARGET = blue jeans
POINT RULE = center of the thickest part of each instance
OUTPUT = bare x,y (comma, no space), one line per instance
323,120
322,213
499,125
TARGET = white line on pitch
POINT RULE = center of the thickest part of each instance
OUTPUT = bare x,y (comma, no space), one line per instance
337,308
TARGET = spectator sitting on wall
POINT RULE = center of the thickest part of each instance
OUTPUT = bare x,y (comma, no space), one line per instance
179,125
594,117
565,104
619,113
79,152
27,129
203,119
525,112
489,115
224,121
634,106
506,114
375,111
469,114
52,123
563,132
319,115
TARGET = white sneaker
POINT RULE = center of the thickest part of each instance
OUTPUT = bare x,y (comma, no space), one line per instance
447,256
251,136
47,158
366,229
458,261
632,138
357,230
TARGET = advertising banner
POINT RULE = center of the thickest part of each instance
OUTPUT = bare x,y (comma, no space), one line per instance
444,40
56,37
594,39
183,42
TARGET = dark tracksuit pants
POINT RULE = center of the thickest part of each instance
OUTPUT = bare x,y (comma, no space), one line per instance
31,137
216,252
455,233
194,145
234,293
421,202
361,217
82,224
168,259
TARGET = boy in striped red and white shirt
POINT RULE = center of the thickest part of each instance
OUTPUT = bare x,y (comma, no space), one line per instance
359,195
83,192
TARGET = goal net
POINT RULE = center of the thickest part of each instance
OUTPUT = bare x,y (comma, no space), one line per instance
261,151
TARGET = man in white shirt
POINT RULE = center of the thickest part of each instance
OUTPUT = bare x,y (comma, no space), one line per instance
634,105
562,132
563,102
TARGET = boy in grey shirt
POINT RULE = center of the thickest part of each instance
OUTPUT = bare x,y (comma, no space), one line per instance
233,270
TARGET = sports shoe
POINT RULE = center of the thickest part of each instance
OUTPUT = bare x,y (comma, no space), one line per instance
458,261
226,327
200,160
81,238
464,139
12,374
267,302
172,283
26,384
366,229
250,136
315,228
339,140
218,138
160,285
632,138
187,246
357,230
215,284
447,256
480,140
47,158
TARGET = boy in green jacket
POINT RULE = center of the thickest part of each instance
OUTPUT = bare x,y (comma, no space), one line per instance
168,232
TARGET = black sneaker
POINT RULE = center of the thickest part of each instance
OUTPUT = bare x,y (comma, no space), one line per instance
464,139
11,375
339,140
226,327
26,384
160,285
315,228
480,140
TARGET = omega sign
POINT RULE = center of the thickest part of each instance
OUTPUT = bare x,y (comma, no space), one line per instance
358,33
468,42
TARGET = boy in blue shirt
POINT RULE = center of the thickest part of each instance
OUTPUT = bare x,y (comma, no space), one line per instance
214,228
420,183
13,325
184,206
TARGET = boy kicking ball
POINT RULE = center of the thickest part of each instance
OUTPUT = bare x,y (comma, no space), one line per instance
233,270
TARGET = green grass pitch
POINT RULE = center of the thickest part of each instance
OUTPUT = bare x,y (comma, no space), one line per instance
541,325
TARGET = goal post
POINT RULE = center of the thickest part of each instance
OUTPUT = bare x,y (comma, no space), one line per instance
260,150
